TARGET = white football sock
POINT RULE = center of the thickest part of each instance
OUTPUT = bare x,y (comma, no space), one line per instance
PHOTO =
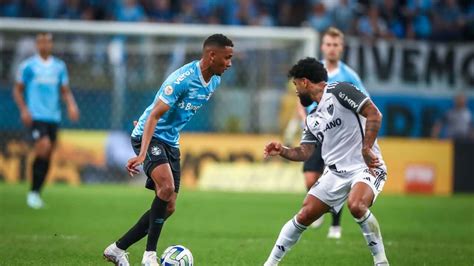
289,235
371,231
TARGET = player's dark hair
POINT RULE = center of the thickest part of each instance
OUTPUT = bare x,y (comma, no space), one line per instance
219,40
309,68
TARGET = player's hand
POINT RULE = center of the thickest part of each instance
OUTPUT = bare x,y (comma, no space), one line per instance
26,118
371,159
272,149
133,163
73,113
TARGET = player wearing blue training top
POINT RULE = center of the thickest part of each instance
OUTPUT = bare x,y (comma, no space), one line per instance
45,80
332,47
155,140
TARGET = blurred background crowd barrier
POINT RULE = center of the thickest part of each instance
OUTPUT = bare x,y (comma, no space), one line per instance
116,67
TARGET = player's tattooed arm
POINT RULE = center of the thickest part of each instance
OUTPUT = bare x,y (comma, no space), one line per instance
372,126
301,153
298,154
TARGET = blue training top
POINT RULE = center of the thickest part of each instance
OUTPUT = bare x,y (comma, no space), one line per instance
43,80
185,91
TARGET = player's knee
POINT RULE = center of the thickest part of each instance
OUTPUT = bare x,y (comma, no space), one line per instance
305,217
165,192
43,148
357,208
170,210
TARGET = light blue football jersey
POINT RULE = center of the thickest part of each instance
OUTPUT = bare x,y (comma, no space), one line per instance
185,91
342,74
43,80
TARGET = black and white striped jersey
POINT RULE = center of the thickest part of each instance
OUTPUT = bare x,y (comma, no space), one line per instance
337,125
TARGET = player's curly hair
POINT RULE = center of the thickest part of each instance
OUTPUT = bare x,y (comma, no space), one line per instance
309,68
218,40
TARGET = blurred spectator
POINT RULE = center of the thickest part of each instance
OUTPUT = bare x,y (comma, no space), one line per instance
448,21
71,9
187,14
343,16
264,18
30,9
10,8
372,25
391,13
319,19
160,11
418,16
470,22
244,13
457,121
129,11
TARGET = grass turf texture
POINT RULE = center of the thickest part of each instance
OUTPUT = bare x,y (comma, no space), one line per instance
226,228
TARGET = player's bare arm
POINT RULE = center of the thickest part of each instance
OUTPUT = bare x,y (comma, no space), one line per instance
18,96
372,126
158,110
299,154
71,105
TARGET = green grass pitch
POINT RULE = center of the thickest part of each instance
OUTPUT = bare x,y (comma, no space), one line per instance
226,228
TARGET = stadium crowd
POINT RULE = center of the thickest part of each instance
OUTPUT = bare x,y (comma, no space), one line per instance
439,20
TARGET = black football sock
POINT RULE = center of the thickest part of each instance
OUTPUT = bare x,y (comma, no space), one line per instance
336,218
157,219
40,170
137,232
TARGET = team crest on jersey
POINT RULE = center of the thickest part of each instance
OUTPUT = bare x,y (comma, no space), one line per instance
155,150
168,90
331,109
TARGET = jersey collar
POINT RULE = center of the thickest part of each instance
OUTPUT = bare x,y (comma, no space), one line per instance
203,82
335,71
46,62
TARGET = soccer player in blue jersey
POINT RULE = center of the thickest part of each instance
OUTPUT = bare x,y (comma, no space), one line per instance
45,80
155,140
332,47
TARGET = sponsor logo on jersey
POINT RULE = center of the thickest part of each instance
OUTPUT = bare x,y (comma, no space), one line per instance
348,100
183,76
334,123
168,90
189,106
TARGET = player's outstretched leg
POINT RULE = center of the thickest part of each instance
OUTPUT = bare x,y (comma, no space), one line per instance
335,230
360,199
43,150
310,179
291,232
164,187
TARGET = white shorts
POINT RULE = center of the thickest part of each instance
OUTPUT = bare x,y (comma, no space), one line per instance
333,188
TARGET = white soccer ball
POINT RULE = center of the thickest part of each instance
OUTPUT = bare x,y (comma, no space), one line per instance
177,255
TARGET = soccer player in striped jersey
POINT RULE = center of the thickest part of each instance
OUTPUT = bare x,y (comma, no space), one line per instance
45,80
155,140
345,124
332,48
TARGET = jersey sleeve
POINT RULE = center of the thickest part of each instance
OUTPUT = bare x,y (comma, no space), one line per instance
23,74
308,137
171,92
63,75
358,83
349,96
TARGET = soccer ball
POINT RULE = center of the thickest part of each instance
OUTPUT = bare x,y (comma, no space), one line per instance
177,255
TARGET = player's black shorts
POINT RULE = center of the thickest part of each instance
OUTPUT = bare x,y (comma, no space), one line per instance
159,153
40,129
315,162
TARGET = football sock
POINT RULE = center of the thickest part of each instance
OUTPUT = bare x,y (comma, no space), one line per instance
336,218
289,235
156,221
137,232
371,231
40,170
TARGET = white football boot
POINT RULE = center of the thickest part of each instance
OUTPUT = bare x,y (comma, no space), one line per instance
335,232
150,259
34,201
116,255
